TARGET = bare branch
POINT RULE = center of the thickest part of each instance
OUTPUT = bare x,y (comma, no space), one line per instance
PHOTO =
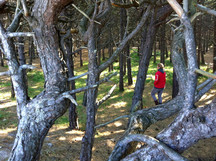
107,96
25,66
109,122
128,5
205,73
26,13
205,9
66,95
124,41
15,23
5,73
204,83
19,34
84,14
153,143
177,8
79,76
205,89
106,79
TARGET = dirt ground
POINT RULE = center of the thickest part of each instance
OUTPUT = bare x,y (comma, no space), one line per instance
63,145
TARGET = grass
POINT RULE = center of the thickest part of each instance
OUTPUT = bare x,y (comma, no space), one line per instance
36,83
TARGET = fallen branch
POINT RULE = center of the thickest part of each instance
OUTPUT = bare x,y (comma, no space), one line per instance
205,89
79,76
204,83
109,122
152,142
205,73
106,97
20,34
7,73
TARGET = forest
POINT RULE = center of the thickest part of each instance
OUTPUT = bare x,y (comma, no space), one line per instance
76,79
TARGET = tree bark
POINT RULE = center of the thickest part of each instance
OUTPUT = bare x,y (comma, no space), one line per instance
214,50
123,22
130,78
143,64
38,115
88,139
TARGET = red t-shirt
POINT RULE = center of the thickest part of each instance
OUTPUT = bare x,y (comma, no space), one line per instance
160,79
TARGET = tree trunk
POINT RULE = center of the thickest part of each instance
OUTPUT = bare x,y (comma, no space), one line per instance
130,78
81,61
162,44
38,115
175,87
155,52
143,65
2,58
214,50
123,22
88,139
22,60
31,50
73,117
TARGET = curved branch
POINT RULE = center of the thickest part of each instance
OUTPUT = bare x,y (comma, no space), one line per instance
66,95
163,149
25,66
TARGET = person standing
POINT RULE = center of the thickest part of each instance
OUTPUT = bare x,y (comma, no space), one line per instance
159,84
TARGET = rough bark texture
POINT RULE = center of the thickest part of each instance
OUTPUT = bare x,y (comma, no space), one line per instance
143,64
214,55
38,115
88,139
182,133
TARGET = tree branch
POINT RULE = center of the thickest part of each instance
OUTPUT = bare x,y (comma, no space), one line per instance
84,14
79,76
25,66
177,8
7,73
152,142
124,41
126,5
20,34
66,95
26,13
15,23
106,97
114,120
205,73
205,9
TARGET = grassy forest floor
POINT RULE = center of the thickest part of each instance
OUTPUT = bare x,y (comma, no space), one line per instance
62,144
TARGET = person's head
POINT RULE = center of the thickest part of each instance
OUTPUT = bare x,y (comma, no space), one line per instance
160,66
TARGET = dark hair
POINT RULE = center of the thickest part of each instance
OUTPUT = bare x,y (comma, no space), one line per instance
160,65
